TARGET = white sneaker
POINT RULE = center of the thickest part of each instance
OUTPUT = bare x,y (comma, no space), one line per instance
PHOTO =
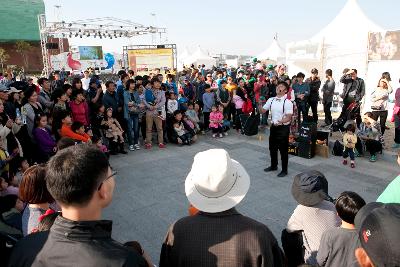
137,147
214,135
220,135
131,148
226,133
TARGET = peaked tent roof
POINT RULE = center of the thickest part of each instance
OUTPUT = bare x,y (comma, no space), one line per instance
200,57
351,24
273,52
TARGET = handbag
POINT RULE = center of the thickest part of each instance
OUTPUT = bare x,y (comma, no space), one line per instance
134,109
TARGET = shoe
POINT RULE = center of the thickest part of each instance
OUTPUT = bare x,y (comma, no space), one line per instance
147,146
352,165
220,135
395,146
270,169
282,174
161,145
214,135
123,151
131,148
226,133
372,158
345,162
137,147
203,132
113,152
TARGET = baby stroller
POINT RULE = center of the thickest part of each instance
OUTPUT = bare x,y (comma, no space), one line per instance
349,114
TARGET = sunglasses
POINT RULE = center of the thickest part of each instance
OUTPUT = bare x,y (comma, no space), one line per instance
113,173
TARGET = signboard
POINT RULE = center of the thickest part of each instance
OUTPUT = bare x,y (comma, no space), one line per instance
143,61
384,46
303,51
91,52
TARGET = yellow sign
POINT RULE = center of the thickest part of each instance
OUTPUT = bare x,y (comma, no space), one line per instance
144,61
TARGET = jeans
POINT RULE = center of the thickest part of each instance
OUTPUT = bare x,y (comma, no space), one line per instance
133,129
302,110
382,115
348,152
314,108
328,114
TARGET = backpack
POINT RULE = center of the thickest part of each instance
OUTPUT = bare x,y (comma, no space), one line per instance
247,107
337,149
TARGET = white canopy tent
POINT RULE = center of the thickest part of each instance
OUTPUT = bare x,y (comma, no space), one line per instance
341,44
274,52
182,58
200,57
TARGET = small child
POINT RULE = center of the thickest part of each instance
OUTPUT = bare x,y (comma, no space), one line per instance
78,128
114,129
337,245
23,166
60,99
184,137
66,130
216,119
225,123
172,104
99,144
193,116
349,142
45,142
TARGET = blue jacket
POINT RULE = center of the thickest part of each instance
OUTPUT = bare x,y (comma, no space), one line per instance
208,101
111,101
127,99
172,87
304,88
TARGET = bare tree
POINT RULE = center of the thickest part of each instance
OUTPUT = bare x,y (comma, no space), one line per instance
3,58
23,48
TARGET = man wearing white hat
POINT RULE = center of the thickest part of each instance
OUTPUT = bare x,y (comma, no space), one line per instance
218,235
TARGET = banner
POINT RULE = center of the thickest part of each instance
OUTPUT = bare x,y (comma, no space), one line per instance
304,50
91,52
384,46
146,60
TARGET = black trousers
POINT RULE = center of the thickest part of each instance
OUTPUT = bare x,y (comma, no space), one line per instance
328,114
345,113
206,120
314,108
373,147
382,115
279,140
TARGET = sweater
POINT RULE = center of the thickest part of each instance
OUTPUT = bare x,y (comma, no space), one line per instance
216,119
45,142
66,131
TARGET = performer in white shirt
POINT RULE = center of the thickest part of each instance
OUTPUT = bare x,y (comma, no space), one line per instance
281,110
85,80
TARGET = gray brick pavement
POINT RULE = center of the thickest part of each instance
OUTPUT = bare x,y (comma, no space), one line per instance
149,194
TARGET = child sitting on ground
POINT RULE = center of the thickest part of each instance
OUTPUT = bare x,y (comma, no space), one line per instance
337,245
114,129
349,142
193,116
78,128
172,104
216,120
185,134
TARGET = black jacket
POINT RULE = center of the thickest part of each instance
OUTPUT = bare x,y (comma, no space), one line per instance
111,101
314,89
70,243
354,90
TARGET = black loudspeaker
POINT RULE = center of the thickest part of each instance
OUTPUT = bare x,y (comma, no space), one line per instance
306,150
52,46
160,46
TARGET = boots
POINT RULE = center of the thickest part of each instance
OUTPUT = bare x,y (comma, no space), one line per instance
113,146
121,148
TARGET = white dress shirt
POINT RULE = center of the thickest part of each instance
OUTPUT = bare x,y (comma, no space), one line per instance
279,106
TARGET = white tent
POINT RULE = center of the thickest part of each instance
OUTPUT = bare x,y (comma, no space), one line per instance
341,44
200,57
274,52
182,58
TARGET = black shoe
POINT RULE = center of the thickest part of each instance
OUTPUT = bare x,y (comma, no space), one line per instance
270,169
113,152
282,174
123,152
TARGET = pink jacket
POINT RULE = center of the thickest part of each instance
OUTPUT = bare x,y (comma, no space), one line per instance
238,101
80,112
216,119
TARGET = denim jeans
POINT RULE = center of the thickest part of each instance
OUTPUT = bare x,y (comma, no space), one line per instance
133,129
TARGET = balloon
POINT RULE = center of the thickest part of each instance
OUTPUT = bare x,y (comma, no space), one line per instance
109,58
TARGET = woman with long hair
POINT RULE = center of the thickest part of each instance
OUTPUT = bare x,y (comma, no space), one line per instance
31,108
379,103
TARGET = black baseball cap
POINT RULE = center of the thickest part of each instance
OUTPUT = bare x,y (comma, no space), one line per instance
379,235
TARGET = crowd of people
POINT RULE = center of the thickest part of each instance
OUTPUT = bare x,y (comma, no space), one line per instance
56,137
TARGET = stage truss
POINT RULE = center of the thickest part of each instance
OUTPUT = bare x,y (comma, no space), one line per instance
107,28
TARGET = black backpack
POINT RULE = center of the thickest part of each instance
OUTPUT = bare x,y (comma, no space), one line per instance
337,149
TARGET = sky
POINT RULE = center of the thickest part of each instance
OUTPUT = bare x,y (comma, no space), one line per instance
228,27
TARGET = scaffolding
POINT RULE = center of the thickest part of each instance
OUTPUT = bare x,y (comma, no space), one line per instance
107,27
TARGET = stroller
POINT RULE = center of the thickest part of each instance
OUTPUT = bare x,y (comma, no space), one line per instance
350,114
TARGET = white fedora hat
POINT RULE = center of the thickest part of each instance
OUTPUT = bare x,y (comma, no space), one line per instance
216,182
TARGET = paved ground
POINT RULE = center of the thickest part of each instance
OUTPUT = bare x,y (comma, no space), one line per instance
150,186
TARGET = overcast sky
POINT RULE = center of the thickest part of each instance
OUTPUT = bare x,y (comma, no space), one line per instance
232,27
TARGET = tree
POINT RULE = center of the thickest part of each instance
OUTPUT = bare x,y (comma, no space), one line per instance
23,48
3,58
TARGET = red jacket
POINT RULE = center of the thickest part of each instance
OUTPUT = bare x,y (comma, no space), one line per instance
80,112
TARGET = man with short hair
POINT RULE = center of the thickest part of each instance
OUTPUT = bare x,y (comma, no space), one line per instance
301,92
81,181
110,98
353,92
85,80
328,90
281,110
218,235
57,83
315,83
45,94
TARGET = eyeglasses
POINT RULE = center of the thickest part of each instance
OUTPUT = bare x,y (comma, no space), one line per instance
209,76
113,173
